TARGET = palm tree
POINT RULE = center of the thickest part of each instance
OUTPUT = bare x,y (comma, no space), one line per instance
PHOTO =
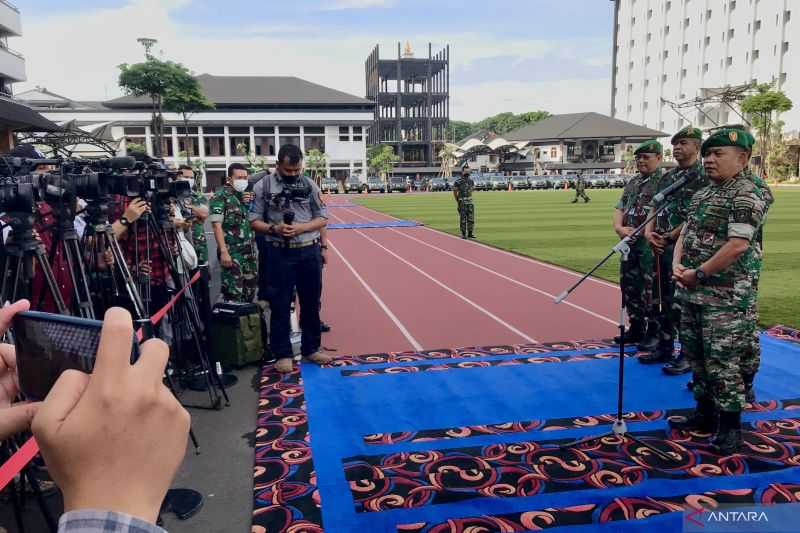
448,159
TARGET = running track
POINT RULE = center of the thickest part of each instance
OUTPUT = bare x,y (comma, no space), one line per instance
398,289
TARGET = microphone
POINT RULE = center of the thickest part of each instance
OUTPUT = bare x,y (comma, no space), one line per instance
660,197
122,162
288,218
560,298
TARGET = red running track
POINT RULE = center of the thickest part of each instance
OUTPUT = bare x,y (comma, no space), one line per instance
396,289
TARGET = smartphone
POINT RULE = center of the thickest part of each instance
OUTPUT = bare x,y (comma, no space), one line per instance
48,344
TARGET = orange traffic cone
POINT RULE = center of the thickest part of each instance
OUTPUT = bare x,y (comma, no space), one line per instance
509,186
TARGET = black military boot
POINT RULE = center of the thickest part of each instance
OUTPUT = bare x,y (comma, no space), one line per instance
633,334
471,235
650,341
703,418
749,393
575,201
677,365
728,438
463,235
587,200
662,353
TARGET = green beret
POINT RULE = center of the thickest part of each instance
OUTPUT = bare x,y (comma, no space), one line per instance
649,147
729,137
687,133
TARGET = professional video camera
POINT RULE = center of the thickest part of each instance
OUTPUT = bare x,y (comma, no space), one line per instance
293,191
150,178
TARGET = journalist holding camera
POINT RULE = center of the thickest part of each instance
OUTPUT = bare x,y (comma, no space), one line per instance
287,209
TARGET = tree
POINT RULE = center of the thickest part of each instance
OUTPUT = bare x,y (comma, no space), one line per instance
135,147
460,129
781,162
448,159
761,108
382,158
500,123
316,163
186,98
153,78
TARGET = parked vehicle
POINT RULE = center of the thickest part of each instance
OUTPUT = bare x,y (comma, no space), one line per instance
329,186
398,184
375,184
617,181
438,184
353,184
598,181
557,182
499,183
520,183
482,184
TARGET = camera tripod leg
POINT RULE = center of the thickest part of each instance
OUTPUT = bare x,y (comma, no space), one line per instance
50,278
80,282
37,492
171,387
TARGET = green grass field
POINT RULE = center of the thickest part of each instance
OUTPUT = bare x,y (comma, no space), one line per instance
545,225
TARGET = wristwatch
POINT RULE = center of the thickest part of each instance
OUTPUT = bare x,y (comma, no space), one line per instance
700,275
323,246
124,221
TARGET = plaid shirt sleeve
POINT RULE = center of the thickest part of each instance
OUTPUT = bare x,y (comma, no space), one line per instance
96,521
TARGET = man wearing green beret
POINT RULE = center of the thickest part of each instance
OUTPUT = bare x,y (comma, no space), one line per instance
661,233
715,264
636,273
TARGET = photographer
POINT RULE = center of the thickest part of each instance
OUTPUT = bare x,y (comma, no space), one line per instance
235,244
287,210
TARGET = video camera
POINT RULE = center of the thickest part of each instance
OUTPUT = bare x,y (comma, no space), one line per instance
150,178
292,191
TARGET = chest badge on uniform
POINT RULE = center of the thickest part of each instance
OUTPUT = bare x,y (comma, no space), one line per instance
708,238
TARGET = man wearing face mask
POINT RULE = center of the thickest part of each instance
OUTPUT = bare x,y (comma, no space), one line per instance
235,244
287,209
462,192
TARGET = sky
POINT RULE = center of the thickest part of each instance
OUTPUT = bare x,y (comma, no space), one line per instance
516,55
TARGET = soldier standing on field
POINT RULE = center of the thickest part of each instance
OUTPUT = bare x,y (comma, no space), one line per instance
716,263
462,192
637,272
580,189
235,243
661,233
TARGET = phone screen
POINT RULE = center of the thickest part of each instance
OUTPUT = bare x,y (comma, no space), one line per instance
48,344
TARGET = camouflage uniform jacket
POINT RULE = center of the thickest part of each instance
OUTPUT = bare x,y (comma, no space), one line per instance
580,184
227,208
635,201
198,231
464,187
718,212
678,205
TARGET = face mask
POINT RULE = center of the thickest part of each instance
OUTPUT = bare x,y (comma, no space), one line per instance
240,185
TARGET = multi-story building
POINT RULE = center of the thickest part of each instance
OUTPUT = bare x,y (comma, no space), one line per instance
13,115
253,117
412,106
679,50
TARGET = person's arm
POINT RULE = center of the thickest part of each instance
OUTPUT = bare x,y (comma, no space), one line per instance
217,216
323,244
95,521
622,231
136,208
656,240
257,206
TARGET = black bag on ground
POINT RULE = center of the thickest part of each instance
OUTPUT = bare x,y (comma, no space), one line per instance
235,338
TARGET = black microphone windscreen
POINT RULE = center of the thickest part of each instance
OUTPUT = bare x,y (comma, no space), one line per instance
122,162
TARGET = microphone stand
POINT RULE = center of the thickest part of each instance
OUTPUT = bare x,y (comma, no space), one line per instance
619,427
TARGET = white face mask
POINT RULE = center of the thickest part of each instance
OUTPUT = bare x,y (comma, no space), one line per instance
240,185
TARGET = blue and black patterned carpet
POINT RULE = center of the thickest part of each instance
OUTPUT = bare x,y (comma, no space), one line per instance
448,440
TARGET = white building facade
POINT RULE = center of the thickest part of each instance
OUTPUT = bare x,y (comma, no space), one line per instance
678,50
253,118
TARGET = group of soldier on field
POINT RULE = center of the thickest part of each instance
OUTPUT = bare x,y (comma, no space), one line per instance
694,271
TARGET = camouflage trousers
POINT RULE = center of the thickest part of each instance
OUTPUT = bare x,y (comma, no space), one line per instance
240,281
752,357
636,276
466,216
581,193
716,342
668,314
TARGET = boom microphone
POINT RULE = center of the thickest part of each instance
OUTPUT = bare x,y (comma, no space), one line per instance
660,197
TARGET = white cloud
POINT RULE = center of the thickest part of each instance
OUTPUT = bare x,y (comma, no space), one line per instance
77,55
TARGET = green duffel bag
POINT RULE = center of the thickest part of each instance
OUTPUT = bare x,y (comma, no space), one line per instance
236,334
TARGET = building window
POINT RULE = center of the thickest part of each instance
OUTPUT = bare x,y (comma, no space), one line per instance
649,37
787,16
264,140
344,133
630,65
705,67
783,78
553,152
730,33
633,21
683,73
647,83
708,14
630,87
647,60
644,106
758,25
666,30
682,96
685,47
188,141
669,5
239,140
358,132
134,131
666,54
729,61
686,22
732,5
214,141
313,142
756,53
708,40
785,47
314,130
649,13
129,141
664,78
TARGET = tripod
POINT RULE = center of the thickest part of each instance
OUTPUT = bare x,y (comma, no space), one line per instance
17,489
619,427
21,253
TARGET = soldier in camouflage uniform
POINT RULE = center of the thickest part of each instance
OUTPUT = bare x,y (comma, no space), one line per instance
196,208
716,263
636,273
662,233
580,189
462,192
230,219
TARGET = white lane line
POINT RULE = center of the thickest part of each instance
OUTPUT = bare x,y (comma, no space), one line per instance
451,290
503,276
504,252
417,346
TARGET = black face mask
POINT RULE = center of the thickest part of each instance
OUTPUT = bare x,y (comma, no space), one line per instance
291,180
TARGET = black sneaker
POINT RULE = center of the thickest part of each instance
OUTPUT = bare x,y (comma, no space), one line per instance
728,438
677,365
471,235
323,327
